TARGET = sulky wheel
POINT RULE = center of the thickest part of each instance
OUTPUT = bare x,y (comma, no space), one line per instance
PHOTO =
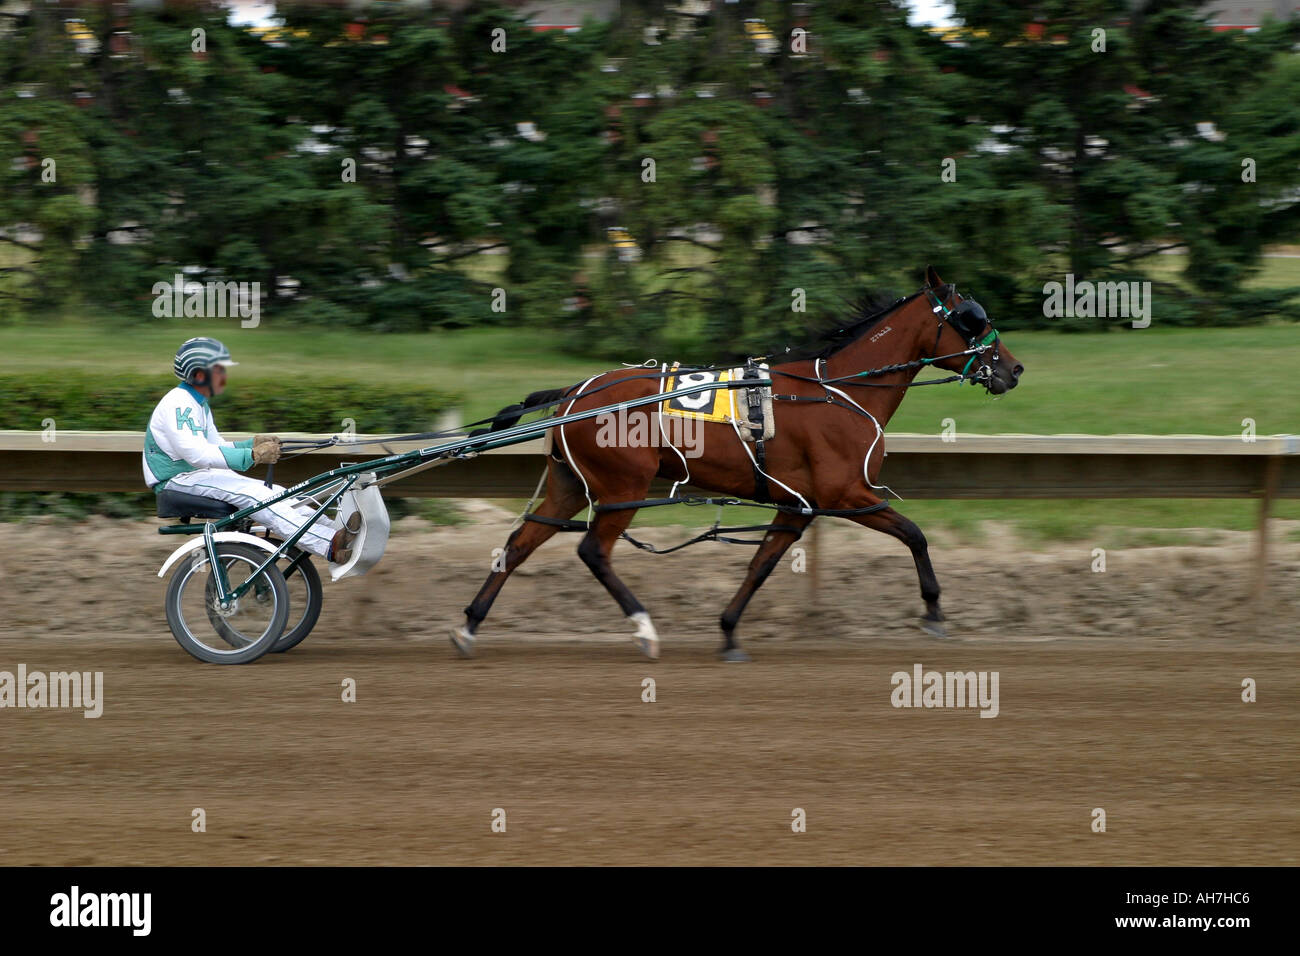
305,599
241,633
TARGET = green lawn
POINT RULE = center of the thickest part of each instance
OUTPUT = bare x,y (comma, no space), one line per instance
490,367
1111,523
1157,381
1144,381
1275,271
1153,381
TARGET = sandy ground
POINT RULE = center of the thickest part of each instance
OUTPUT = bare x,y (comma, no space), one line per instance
1118,690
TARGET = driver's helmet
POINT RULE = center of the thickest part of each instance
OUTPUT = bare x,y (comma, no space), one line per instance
200,353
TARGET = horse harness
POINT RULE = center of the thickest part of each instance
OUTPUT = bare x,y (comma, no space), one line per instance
968,318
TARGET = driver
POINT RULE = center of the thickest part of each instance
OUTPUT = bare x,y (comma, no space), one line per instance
184,451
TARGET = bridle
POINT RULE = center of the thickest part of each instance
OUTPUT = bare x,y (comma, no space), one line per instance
977,346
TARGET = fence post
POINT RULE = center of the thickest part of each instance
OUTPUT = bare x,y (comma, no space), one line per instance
812,561
1272,477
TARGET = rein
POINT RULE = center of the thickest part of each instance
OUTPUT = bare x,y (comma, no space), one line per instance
309,444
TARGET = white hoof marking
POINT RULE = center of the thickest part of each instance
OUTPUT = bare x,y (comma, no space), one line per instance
646,637
462,638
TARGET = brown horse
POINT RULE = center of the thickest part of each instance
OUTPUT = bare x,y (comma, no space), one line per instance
825,455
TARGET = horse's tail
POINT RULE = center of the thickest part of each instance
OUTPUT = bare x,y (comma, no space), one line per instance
511,414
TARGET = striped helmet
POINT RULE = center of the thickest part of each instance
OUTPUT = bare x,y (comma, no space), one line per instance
200,353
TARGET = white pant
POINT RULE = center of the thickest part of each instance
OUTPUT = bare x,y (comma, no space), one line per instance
240,490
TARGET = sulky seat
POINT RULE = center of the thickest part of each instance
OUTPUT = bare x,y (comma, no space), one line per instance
183,505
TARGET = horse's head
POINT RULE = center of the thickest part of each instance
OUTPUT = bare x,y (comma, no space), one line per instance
968,339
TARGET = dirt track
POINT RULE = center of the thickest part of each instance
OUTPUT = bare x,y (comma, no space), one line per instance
1118,690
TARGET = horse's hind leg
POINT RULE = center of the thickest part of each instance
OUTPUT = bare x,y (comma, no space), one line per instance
890,522
784,532
595,549
564,499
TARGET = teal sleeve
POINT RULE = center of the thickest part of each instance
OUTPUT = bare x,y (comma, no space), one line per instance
238,458
246,443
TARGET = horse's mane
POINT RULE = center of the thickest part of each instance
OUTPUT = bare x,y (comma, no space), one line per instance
859,316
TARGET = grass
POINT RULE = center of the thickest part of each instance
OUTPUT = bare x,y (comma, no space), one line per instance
1156,381
1275,271
1145,381
1151,381
1110,523
490,367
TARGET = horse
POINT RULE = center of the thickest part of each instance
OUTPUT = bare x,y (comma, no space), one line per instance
830,409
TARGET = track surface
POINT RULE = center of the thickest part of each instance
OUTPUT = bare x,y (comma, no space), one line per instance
1137,711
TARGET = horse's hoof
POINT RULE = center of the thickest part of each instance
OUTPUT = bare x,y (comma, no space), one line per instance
933,628
646,638
734,655
463,641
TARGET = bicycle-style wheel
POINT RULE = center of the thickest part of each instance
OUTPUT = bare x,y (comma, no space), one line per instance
241,633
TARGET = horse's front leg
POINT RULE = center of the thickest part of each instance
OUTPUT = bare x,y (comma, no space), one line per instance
890,522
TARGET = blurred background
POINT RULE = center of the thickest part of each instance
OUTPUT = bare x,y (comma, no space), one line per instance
440,216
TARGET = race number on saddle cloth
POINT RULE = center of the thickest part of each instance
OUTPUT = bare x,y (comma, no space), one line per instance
184,451
748,408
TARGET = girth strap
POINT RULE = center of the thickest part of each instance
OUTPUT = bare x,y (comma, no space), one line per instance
756,426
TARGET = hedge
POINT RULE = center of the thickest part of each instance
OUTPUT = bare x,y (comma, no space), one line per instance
124,402
96,402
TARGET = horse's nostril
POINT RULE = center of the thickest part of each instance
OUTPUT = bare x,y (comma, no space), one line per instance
1017,370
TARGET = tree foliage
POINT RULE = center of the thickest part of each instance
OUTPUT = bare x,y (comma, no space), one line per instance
677,179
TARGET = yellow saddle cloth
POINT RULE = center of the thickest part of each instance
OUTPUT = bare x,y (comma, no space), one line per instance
725,405
714,405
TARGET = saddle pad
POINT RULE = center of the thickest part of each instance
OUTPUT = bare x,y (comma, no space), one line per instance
725,405
712,405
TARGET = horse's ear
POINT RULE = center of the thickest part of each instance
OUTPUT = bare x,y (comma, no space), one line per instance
932,278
